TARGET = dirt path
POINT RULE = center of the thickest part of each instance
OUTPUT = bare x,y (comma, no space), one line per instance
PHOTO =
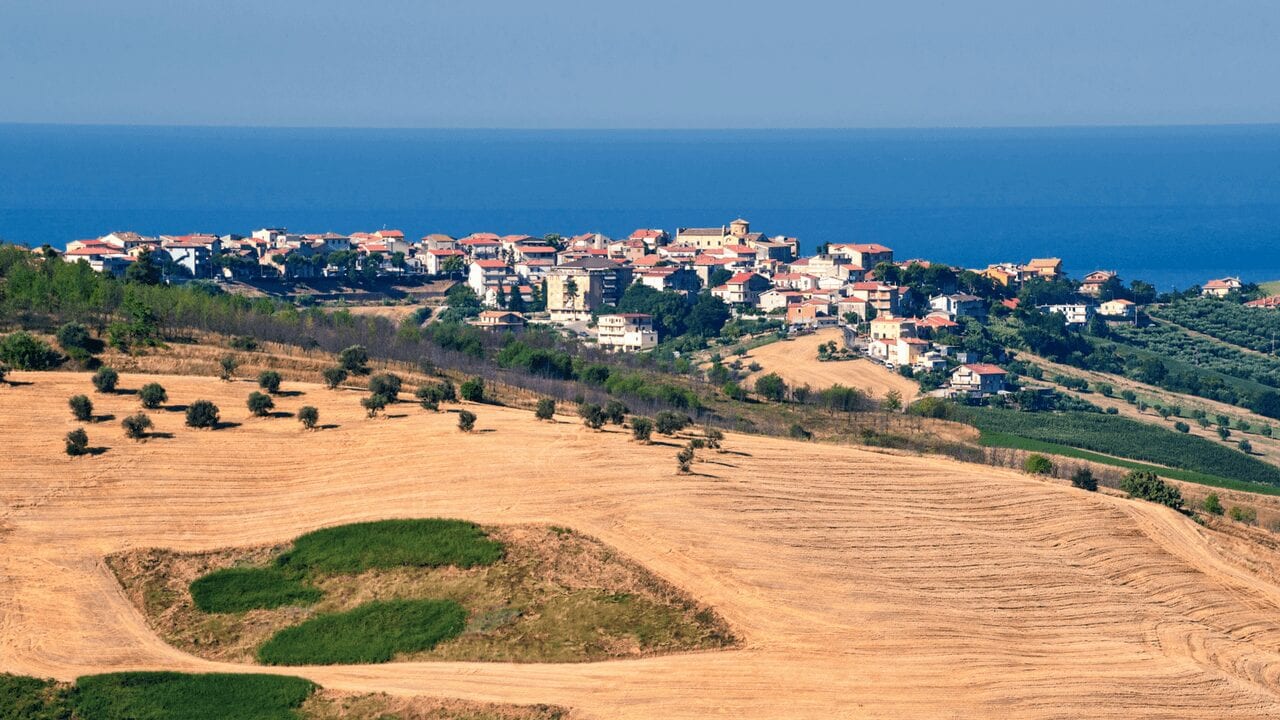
796,361
864,585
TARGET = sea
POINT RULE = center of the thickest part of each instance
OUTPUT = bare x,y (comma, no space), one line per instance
1172,205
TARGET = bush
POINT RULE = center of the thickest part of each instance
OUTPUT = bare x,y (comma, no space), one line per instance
546,409
386,384
74,338
260,403
372,633
1129,396
25,351
466,420
1182,427
1223,432
1145,485
1245,447
684,458
333,376
771,387
373,404
615,412
473,390
4,372
77,442
797,432
642,429
234,590
202,414
179,696
136,426
1037,464
1212,504
713,437
670,423
152,395
354,359
308,416
269,380
1245,515
105,380
592,415
243,342
1083,478
81,408
227,366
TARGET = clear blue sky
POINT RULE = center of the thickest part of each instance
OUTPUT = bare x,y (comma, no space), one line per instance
650,63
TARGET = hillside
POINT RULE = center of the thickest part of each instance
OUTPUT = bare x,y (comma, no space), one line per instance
861,584
796,361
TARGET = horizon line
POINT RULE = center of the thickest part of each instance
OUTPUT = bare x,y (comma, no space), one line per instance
815,128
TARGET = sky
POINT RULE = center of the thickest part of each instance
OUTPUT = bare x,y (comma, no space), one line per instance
640,64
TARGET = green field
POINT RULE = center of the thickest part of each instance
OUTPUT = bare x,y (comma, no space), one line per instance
392,543
241,589
155,696
372,633
1006,440
1125,438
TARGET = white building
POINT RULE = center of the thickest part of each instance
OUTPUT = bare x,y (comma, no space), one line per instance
626,331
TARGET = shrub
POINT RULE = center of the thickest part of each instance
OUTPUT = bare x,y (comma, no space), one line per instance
243,342
592,415
1106,389
1129,396
733,391
713,437
1112,411
1037,464
371,633
1245,515
269,380
354,359
387,385
202,414
308,416
473,390
428,396
333,376
227,366
668,422
1181,427
1145,485
25,351
1223,432
615,412
546,409
105,380
73,337
466,420
642,429
4,372
152,395
260,403
81,407
136,426
892,401
684,458
1245,446
1212,504
1083,478
771,387
77,442
240,589
797,431
373,404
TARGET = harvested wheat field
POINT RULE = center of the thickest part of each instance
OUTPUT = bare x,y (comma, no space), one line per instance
860,584
796,361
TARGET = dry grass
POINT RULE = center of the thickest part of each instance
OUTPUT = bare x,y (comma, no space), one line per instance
861,584
330,705
557,596
796,361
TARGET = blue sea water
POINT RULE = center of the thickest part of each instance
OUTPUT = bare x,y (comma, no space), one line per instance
1172,205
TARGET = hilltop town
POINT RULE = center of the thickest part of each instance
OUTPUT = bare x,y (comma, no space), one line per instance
908,315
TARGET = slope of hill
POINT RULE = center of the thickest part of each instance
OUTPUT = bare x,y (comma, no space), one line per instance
862,584
796,361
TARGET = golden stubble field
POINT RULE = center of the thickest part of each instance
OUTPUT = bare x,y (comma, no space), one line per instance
862,584
796,362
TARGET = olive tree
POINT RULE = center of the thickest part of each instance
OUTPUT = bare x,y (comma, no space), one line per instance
105,380
81,407
136,426
546,409
333,376
152,395
308,416
386,385
466,421
269,380
642,429
77,442
260,403
202,414
374,404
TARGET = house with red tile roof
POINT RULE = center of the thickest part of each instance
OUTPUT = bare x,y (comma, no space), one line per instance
1221,287
744,288
978,378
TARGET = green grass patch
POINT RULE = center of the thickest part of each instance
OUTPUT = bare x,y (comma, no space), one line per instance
1122,437
178,696
392,543
240,589
1006,440
372,633
28,698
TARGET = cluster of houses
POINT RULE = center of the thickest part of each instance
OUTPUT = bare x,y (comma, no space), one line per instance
575,277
